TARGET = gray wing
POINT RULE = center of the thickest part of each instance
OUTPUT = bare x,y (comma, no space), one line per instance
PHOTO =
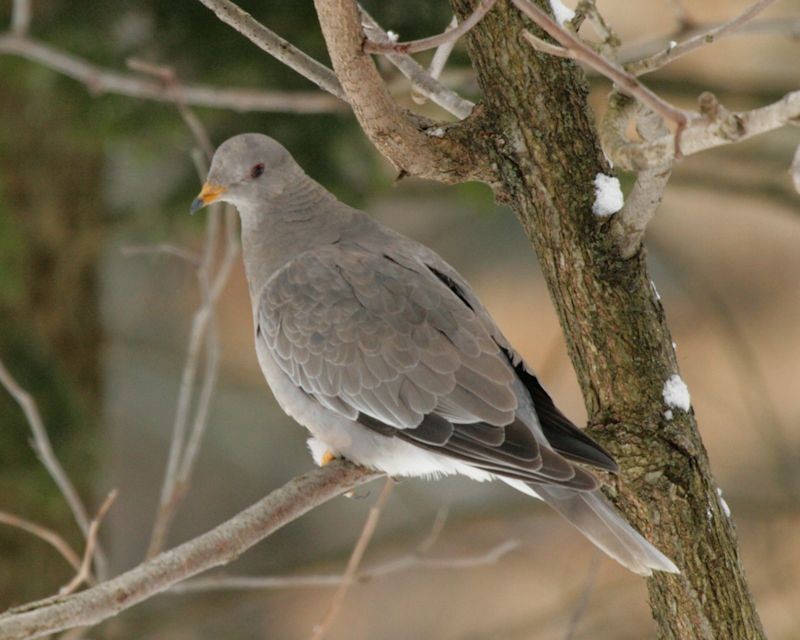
382,339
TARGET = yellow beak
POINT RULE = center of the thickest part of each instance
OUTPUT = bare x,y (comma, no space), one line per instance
208,194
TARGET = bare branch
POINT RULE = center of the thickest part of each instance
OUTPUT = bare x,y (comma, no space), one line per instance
423,81
701,134
21,17
628,226
450,35
795,169
581,51
183,452
436,66
355,561
164,248
101,80
84,573
664,57
396,135
48,535
44,450
219,546
405,563
277,47
583,600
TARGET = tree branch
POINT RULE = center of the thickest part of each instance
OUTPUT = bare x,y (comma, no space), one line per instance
84,573
102,80
219,546
355,560
43,533
277,47
424,82
577,49
388,126
671,53
399,565
629,224
702,133
44,450
21,17
448,36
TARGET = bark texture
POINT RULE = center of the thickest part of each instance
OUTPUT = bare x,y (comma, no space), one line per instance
541,136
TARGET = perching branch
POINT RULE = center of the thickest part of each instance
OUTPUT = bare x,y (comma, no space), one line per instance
448,36
665,56
44,451
219,546
100,80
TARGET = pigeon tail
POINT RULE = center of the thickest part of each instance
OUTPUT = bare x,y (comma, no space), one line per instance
592,514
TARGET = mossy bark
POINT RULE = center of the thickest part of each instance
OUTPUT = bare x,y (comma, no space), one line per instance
540,133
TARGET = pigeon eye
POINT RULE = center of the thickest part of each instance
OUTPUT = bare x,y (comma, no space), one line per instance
257,170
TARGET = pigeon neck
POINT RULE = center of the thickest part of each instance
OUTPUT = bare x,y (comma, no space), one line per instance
304,216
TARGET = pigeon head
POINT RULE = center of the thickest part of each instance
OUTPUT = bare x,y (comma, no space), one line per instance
250,167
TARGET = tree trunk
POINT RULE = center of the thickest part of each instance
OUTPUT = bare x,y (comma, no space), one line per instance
540,133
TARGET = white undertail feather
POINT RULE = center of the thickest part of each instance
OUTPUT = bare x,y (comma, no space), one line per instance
596,519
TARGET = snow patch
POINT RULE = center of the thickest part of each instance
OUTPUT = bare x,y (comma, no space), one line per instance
668,415
393,37
676,393
655,291
561,12
725,508
608,197
438,132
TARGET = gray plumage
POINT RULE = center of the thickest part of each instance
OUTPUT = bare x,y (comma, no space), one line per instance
376,345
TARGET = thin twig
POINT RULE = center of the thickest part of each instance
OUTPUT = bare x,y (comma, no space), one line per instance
627,82
164,248
355,561
665,56
84,573
449,35
436,66
183,452
277,47
405,563
44,450
20,17
425,83
48,535
583,599
214,548
99,80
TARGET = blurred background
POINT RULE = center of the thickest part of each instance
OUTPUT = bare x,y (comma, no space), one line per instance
100,338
